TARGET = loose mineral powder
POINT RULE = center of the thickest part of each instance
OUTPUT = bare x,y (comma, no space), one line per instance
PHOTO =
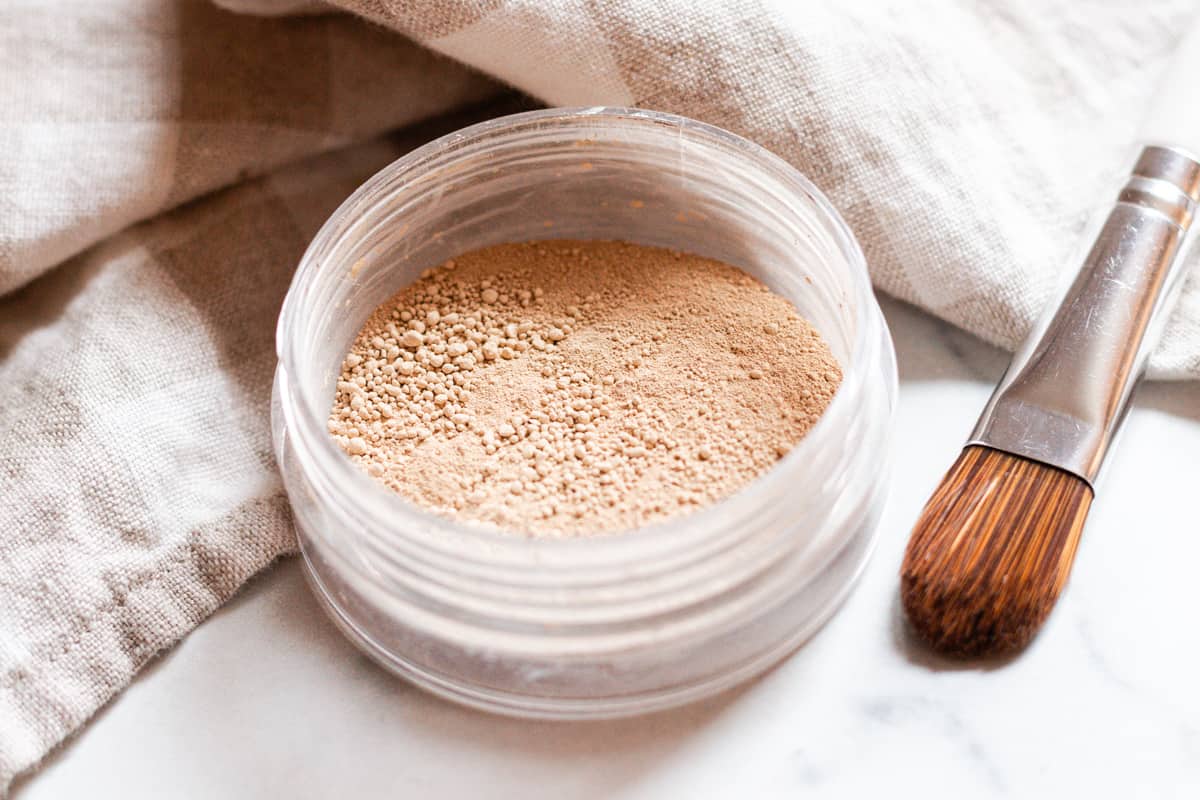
564,388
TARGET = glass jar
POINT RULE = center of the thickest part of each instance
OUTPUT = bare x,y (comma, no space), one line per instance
614,624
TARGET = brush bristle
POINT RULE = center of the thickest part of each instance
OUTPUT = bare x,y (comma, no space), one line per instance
991,552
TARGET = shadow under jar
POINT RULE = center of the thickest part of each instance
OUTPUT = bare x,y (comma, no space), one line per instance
613,624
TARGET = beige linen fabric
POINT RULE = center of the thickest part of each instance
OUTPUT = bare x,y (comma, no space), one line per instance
164,162
137,486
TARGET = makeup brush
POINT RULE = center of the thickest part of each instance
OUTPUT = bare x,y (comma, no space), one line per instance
993,548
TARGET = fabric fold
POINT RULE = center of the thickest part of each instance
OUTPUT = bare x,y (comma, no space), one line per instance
967,144
138,489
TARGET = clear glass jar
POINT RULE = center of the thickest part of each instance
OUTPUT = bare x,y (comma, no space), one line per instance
608,625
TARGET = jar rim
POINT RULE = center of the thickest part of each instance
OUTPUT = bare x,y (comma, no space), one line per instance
384,509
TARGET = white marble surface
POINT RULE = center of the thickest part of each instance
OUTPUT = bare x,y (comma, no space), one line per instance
266,700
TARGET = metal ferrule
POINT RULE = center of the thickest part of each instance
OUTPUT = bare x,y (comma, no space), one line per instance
1066,391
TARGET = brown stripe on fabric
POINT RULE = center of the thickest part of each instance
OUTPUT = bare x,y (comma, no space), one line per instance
420,22
233,260
258,92
380,79
238,68
252,91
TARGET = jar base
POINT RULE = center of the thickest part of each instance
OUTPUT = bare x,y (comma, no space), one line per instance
593,708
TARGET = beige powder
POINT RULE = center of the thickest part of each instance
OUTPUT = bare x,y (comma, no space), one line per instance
561,388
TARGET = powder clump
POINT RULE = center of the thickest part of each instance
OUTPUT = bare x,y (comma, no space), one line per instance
560,388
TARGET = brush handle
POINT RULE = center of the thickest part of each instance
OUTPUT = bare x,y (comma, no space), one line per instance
1066,391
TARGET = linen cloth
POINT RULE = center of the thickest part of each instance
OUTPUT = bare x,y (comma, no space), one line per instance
164,162
137,485
966,142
